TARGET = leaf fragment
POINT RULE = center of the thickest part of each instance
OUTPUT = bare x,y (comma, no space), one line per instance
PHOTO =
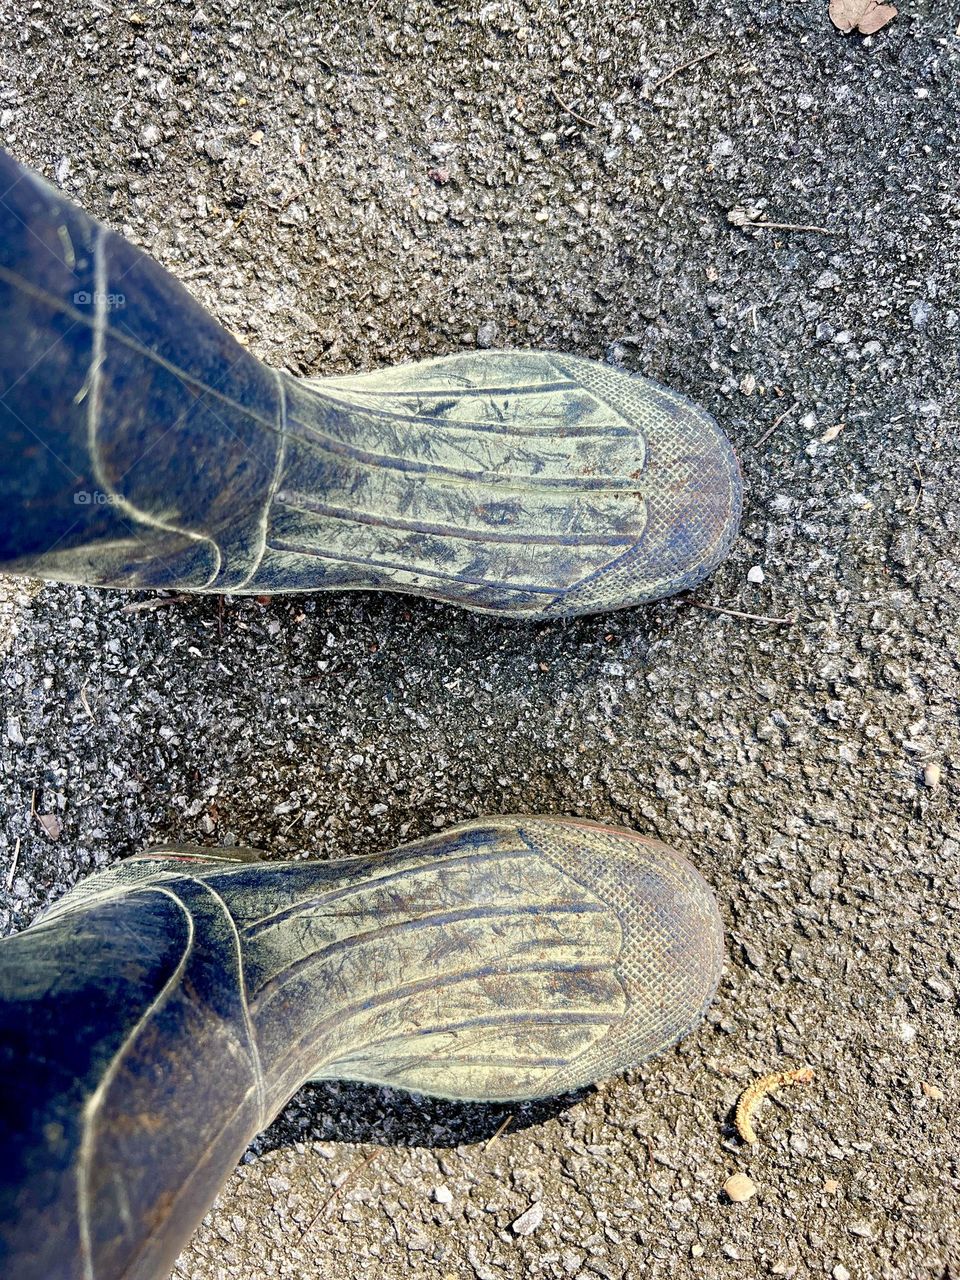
50,824
865,16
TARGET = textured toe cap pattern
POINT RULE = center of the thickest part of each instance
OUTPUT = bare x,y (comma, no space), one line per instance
690,487
671,952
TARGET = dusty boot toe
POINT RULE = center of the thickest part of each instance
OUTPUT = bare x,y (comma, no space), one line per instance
538,955
526,483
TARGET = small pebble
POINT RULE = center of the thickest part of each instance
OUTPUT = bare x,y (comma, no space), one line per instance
755,575
942,990
931,1091
443,1195
931,776
920,313
840,1272
739,1188
831,1186
528,1222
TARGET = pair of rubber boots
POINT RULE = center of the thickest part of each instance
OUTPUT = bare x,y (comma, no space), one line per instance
165,1010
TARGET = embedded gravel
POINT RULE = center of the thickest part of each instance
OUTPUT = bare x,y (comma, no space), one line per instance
347,186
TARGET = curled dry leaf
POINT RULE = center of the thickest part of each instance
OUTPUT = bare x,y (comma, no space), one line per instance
865,16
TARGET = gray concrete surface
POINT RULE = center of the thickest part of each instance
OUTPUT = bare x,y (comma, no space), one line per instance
347,186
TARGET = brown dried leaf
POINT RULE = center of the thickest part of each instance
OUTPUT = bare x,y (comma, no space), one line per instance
865,16
877,17
846,14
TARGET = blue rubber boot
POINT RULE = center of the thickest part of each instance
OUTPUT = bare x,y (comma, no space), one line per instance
142,446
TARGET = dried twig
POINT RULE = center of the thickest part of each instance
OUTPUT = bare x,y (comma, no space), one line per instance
767,434
139,605
784,226
84,703
350,1175
738,613
591,124
916,503
792,226
290,825
684,66
754,1094
13,865
499,1133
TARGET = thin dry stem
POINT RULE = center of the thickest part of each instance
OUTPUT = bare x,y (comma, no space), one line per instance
591,124
738,613
684,66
